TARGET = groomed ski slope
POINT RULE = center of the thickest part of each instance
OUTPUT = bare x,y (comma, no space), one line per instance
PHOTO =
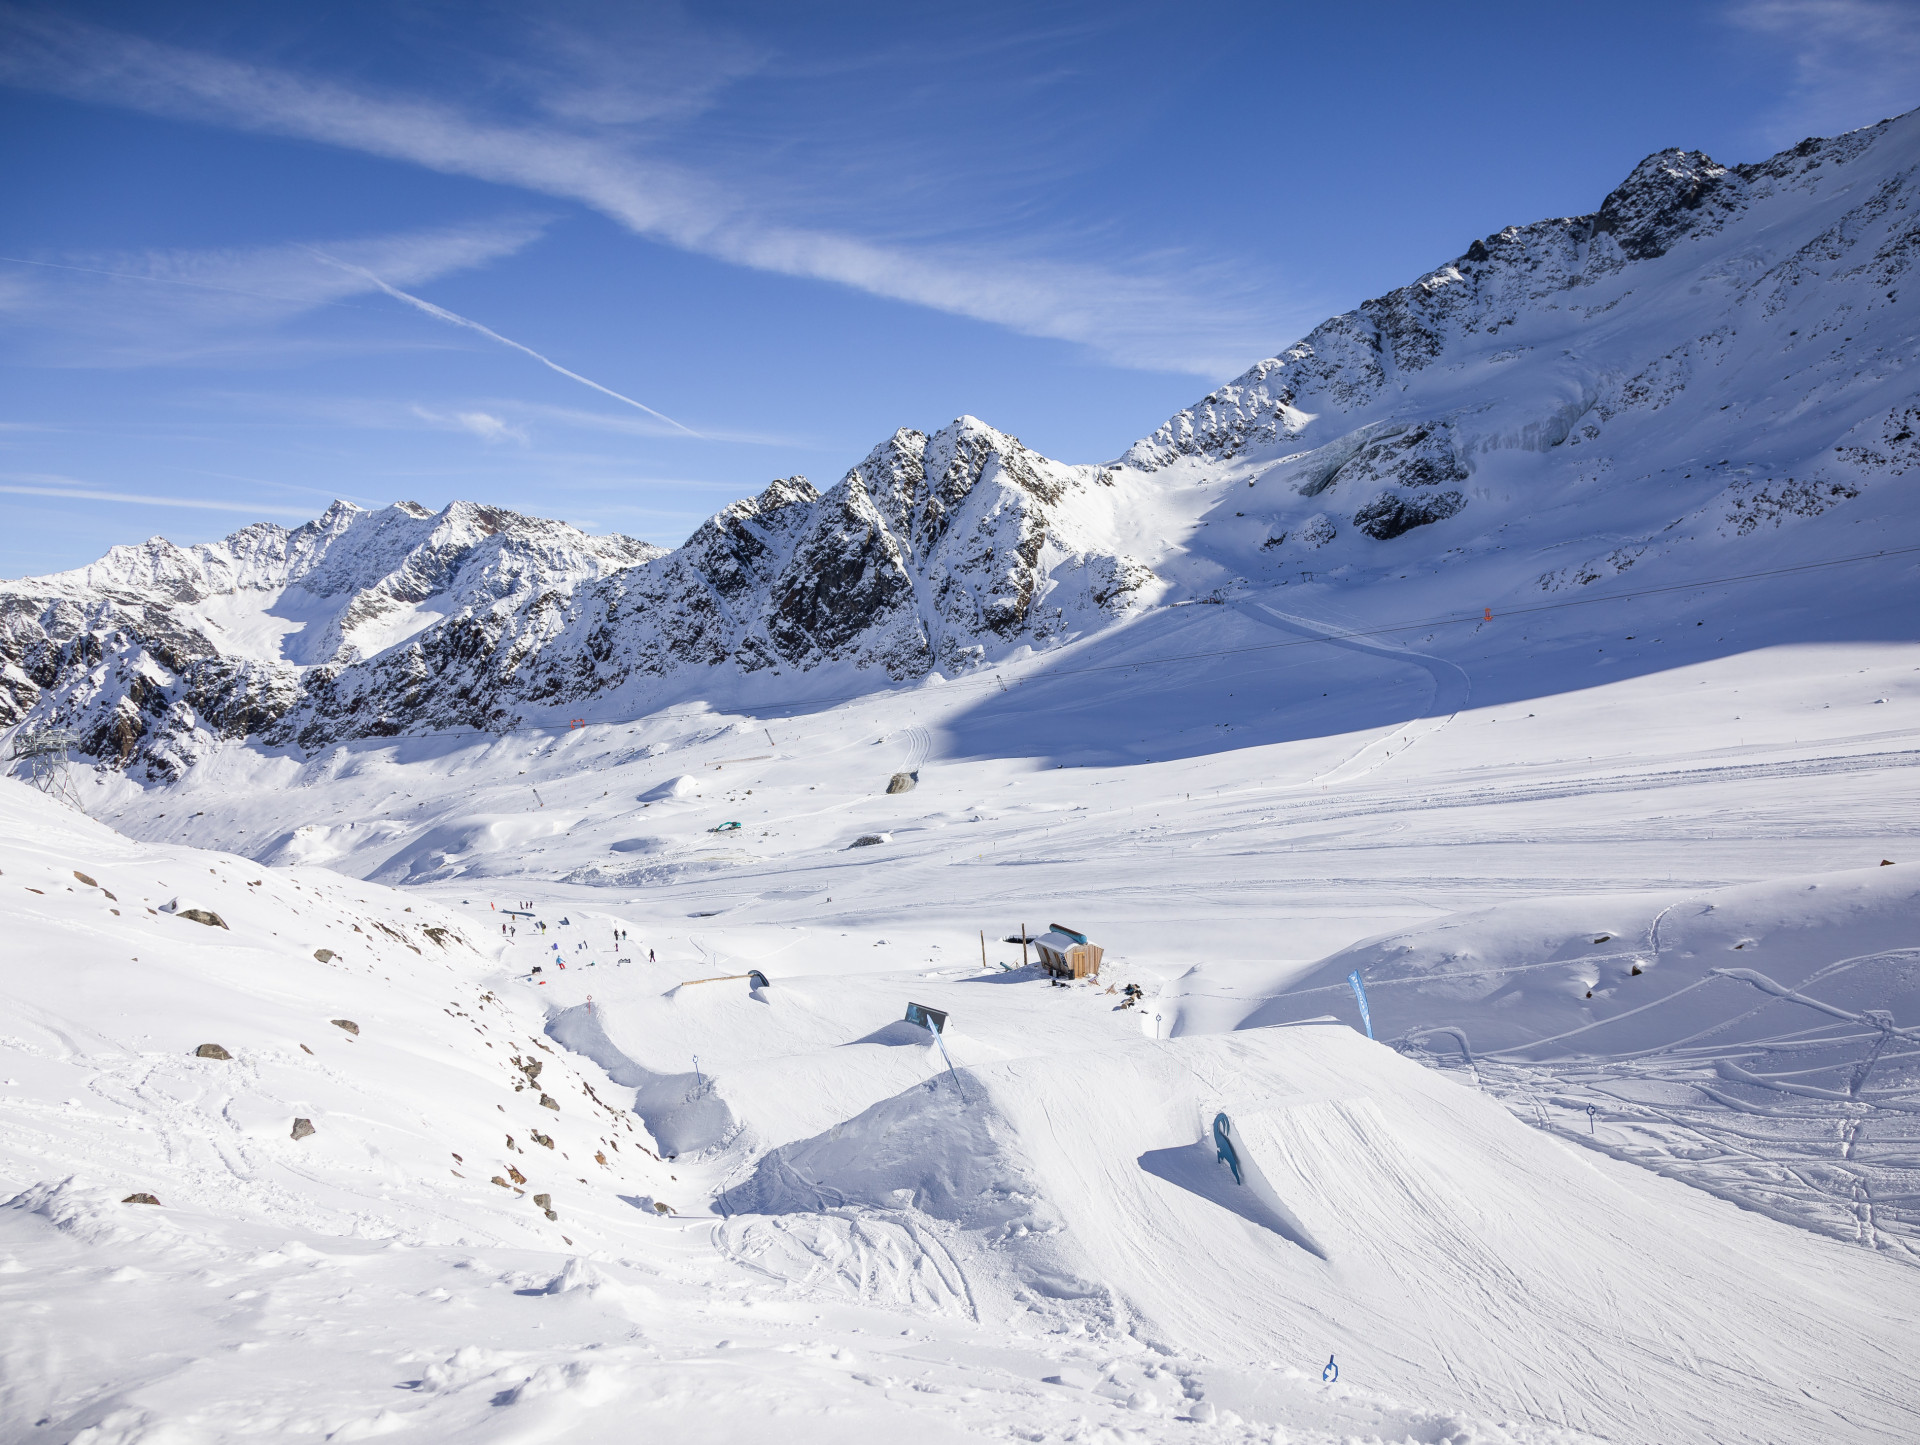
1405,1224
371,1279
1220,840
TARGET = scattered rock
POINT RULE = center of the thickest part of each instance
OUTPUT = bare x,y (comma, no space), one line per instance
660,1206
348,1024
600,1157
84,879
501,1182
437,934
140,1199
546,1102
302,1128
325,955
211,1051
203,915
903,782
540,1138
515,1175
868,840
1886,862
544,1202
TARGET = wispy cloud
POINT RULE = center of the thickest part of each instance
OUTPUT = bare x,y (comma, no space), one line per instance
1854,61
440,313
145,307
483,424
81,492
609,421
1154,313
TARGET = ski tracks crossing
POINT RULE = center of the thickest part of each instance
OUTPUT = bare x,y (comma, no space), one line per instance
1451,690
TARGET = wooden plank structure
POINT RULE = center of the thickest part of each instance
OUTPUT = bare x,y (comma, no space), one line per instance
1065,953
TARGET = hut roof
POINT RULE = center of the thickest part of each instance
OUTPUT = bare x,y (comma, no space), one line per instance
1059,940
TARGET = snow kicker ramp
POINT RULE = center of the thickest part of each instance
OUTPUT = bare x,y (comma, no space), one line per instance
1393,1218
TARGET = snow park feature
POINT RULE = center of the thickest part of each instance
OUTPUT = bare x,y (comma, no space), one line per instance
1484,738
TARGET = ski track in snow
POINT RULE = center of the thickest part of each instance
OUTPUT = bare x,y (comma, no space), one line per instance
1451,690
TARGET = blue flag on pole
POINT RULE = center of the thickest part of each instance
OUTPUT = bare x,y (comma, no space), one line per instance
1360,994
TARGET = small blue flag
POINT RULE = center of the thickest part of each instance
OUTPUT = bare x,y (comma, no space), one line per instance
1360,993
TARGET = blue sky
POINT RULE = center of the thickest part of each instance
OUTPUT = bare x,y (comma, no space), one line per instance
241,240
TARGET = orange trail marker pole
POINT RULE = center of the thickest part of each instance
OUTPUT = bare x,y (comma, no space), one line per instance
1489,616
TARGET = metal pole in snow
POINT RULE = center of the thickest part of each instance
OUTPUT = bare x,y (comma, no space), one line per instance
949,1058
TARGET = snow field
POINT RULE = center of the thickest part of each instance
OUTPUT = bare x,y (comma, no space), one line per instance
1590,776
368,1278
1081,1187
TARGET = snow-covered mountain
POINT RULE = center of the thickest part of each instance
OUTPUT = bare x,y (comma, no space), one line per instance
1636,881
932,552
1715,350
155,651
1712,355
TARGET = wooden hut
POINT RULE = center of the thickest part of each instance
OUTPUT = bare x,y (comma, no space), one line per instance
1066,954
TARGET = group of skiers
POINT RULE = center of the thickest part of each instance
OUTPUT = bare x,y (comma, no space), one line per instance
512,930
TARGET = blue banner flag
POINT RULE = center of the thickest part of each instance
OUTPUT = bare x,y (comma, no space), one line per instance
1360,994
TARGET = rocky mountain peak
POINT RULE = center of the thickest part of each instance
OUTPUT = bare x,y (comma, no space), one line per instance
1712,353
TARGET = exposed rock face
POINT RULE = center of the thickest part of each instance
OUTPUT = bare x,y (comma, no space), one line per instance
155,652
211,1051
1714,352
1752,315
302,1128
932,552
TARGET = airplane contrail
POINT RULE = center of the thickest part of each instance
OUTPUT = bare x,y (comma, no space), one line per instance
456,319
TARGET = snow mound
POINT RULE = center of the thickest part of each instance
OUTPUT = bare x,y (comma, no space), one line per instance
1747,1040
1065,1186
680,787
